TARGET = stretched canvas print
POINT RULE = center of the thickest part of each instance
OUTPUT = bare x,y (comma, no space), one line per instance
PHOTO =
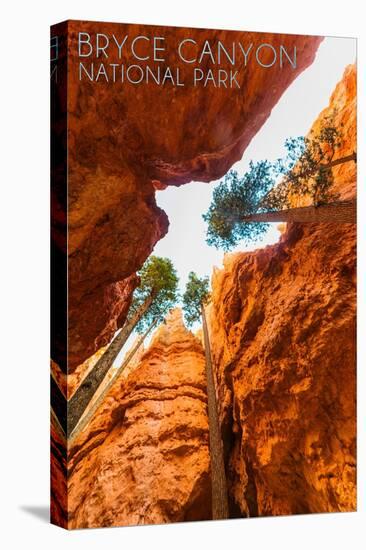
203,274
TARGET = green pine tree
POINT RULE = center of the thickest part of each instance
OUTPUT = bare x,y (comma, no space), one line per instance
152,299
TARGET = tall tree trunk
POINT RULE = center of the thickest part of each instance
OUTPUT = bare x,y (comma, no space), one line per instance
85,419
341,160
337,212
220,508
83,395
330,164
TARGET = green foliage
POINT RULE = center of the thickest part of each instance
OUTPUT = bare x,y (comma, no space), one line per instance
305,170
159,280
196,293
269,186
233,199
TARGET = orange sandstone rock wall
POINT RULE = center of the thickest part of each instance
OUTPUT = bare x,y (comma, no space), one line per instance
282,324
342,107
343,103
125,141
144,457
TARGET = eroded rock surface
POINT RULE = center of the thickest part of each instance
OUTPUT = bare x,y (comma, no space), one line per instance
342,113
144,457
343,107
125,141
282,324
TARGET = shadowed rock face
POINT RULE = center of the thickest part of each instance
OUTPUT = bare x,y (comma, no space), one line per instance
144,458
125,141
282,325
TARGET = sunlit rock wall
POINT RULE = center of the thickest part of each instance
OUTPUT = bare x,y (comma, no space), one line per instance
282,325
125,141
144,457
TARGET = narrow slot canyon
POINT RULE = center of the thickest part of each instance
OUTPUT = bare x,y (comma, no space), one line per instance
285,382
281,324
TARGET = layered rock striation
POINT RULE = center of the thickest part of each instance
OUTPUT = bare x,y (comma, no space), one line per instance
144,457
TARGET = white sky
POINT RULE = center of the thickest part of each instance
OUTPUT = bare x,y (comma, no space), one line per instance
293,116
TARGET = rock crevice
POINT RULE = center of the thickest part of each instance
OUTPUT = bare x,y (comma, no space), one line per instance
126,141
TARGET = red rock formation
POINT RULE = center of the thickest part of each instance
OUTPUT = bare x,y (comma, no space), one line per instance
282,325
125,141
343,104
342,108
144,457
99,314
